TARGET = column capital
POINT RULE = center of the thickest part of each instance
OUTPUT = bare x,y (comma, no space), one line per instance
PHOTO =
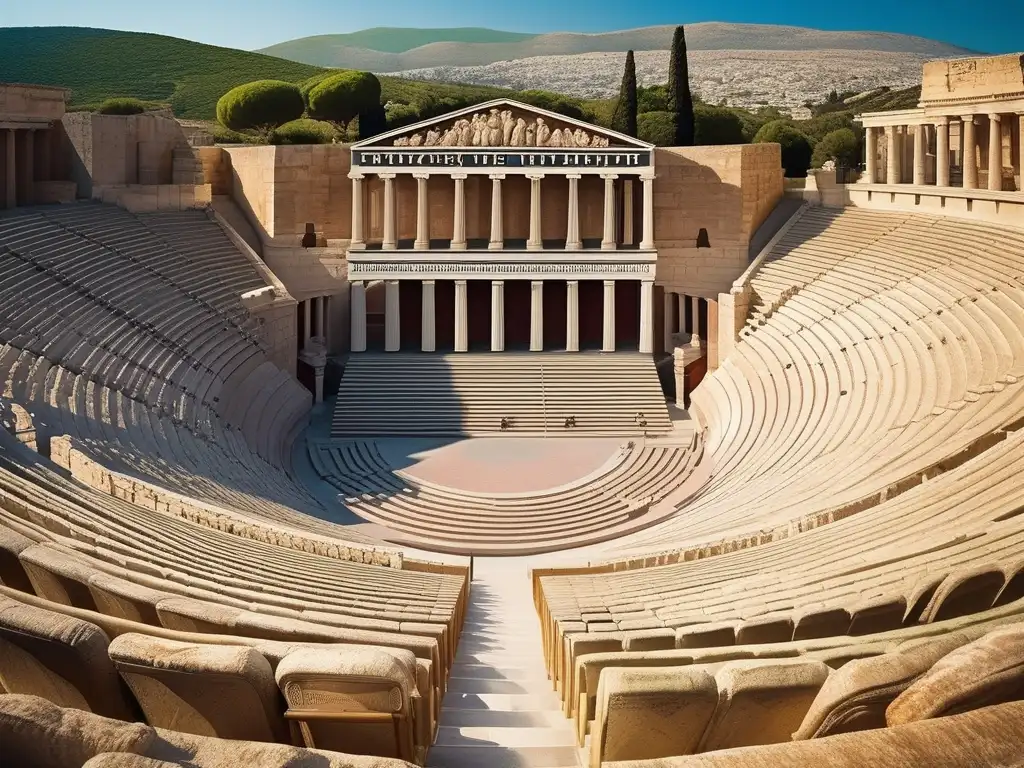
386,176
497,282
460,282
535,176
460,176
647,176
994,116
496,176
575,176
357,176
967,118
421,175
609,176
536,282
427,282
357,283
942,120
572,282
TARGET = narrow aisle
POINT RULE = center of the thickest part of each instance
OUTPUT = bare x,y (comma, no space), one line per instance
500,710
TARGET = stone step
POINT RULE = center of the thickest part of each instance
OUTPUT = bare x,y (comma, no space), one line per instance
502,718
503,702
468,736
492,756
517,687
491,672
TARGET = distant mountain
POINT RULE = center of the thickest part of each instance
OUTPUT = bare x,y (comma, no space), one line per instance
322,50
383,50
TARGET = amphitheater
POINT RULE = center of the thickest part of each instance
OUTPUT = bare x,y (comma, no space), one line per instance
612,455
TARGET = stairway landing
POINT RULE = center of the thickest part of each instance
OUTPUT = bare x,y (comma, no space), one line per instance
500,710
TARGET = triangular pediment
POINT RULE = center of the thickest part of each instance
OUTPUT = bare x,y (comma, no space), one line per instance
502,123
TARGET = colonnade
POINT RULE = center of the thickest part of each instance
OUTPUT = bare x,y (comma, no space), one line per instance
18,162
315,312
932,135
681,315
428,342
534,242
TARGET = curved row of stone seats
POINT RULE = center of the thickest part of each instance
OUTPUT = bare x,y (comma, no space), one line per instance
472,393
215,466
834,651
989,736
269,584
791,405
92,289
740,703
446,519
37,733
230,691
965,518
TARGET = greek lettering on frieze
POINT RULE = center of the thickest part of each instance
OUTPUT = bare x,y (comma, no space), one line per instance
487,268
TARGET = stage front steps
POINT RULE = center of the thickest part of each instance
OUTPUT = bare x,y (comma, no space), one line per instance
469,394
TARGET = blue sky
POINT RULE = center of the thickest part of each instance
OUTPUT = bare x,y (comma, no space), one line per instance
257,23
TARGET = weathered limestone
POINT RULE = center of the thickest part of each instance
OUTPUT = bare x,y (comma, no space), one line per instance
668,320
995,153
919,154
497,316
970,161
870,154
942,152
892,166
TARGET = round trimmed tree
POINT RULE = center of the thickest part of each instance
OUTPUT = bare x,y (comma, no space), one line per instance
841,146
260,106
341,98
796,146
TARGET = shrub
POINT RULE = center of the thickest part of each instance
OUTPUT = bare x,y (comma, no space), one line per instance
654,98
260,106
121,106
553,102
817,127
658,128
796,146
717,125
304,131
841,145
222,135
339,99
397,115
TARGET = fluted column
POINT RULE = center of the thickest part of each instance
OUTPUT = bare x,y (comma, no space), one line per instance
919,152
535,242
627,212
695,322
970,161
357,308
668,317
942,152
608,241
357,243
536,316
390,239
870,154
684,327
497,316
459,226
461,317
995,153
321,306
497,214
422,213
307,315
392,321
572,316
428,338
608,326
646,316
572,230
892,166
647,238
12,178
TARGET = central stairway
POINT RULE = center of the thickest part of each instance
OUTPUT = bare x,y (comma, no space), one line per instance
404,394
500,710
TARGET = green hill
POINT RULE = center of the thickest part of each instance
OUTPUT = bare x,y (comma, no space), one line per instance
99,63
389,40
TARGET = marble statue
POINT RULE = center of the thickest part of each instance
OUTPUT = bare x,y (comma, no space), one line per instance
555,139
494,132
531,136
416,140
433,138
402,141
543,132
502,129
507,127
518,134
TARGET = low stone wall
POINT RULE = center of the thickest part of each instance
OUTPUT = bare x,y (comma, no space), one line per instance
44,192
64,453
17,421
150,198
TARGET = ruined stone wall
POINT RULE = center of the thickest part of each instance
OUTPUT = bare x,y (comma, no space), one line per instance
974,78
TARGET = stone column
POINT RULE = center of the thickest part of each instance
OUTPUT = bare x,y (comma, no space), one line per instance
461,317
1020,152
357,304
668,320
307,314
428,339
970,161
627,211
684,327
942,152
870,154
536,316
892,166
497,316
422,213
497,214
28,161
647,316
572,230
919,152
647,238
12,179
608,328
357,243
392,321
572,316
459,227
608,241
695,321
390,239
535,242
322,306
995,153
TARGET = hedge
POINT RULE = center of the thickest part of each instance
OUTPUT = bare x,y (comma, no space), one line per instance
340,99
305,131
261,105
796,146
121,106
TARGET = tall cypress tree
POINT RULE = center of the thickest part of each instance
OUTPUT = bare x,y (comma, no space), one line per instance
680,101
624,119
